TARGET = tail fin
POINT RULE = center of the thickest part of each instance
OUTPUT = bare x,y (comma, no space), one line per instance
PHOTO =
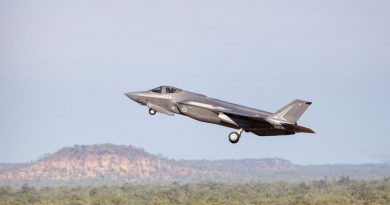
291,112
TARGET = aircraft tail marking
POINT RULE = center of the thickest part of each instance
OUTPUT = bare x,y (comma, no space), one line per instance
291,112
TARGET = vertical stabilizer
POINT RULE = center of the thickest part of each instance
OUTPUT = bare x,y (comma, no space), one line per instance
290,113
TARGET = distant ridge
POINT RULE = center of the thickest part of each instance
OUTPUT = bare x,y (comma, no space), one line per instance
118,164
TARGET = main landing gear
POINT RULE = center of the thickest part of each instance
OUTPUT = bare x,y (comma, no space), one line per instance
234,137
152,111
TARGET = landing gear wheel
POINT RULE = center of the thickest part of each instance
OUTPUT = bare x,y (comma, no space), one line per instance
152,112
234,137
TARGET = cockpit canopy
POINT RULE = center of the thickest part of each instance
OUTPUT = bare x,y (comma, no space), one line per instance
165,89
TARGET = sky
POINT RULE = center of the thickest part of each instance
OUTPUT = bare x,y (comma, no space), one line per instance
65,65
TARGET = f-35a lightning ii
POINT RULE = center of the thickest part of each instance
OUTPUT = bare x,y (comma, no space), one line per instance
170,100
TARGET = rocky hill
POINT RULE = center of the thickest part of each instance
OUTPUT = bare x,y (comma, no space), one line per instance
118,164
111,164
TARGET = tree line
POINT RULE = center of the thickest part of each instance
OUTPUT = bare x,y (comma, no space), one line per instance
317,192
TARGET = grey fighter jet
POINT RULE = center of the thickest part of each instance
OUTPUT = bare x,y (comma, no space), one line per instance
170,100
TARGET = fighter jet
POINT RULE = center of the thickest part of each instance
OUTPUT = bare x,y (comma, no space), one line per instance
170,100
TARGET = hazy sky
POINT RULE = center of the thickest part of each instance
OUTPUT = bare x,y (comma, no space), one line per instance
64,66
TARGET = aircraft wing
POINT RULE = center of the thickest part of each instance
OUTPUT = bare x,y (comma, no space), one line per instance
230,116
245,121
159,109
248,120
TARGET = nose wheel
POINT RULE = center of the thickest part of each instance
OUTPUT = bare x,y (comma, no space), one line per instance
152,111
234,137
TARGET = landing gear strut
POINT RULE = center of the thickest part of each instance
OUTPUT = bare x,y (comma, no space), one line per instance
234,137
152,111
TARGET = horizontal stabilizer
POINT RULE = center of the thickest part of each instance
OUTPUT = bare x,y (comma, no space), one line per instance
297,128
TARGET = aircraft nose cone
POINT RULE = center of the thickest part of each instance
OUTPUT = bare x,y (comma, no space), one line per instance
132,95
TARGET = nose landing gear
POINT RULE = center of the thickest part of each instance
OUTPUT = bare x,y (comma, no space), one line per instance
234,137
152,111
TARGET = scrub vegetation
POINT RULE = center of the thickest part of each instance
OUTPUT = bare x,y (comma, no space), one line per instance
322,192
